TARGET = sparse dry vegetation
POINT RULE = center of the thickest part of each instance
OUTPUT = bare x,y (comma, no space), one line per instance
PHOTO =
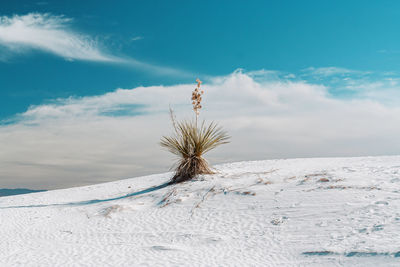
190,142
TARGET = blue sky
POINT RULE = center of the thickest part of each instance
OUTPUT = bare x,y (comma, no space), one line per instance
201,38
86,85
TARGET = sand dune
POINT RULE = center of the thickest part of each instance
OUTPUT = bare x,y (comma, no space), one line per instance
297,212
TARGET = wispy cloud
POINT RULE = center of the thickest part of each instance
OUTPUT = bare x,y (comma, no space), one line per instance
21,34
112,136
329,71
137,38
388,51
383,87
50,34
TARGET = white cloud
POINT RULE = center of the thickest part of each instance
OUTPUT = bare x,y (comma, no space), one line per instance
137,38
93,139
51,34
329,71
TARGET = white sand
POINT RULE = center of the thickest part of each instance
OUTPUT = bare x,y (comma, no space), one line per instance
299,212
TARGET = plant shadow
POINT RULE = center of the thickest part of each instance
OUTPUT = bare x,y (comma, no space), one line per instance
94,201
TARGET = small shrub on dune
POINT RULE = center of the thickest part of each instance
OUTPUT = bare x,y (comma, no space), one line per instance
190,142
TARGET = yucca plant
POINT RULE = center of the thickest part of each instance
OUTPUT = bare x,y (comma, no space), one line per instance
190,142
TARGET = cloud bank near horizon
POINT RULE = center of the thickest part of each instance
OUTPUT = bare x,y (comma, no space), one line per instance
78,141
